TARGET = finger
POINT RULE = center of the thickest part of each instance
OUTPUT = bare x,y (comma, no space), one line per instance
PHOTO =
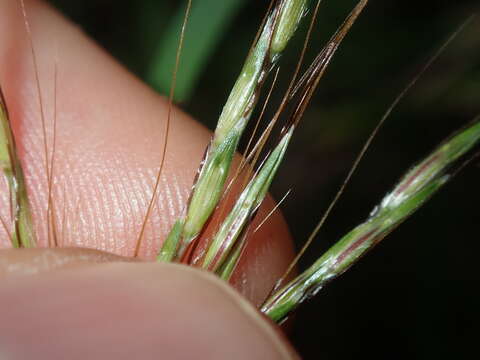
110,133
173,312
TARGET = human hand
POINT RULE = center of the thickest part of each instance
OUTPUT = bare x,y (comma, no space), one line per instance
109,139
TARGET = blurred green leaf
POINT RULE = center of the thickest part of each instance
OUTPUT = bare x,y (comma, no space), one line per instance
207,24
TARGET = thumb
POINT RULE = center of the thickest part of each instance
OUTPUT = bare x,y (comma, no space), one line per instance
132,311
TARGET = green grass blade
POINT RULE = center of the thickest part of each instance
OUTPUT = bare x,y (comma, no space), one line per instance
208,22
413,190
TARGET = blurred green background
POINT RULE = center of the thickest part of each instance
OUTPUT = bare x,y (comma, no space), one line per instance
416,295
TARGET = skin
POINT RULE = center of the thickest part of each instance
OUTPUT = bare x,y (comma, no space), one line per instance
76,303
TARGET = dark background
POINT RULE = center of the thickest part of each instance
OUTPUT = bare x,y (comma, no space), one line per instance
416,295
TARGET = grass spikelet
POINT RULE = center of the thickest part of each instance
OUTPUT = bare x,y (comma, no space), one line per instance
245,208
278,28
238,219
21,233
412,191
366,146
